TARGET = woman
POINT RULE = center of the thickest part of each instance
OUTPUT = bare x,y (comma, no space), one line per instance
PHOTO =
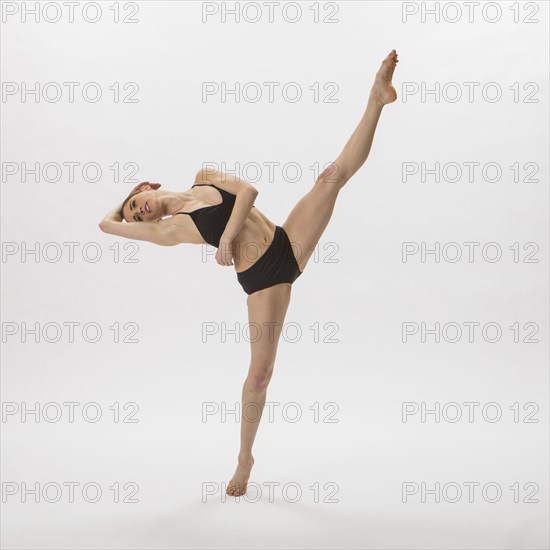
219,210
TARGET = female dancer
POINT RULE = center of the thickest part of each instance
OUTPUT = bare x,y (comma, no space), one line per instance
221,212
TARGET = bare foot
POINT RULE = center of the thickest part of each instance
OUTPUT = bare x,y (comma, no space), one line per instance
239,481
382,88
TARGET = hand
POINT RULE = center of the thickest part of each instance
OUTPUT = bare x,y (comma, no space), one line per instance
225,253
154,186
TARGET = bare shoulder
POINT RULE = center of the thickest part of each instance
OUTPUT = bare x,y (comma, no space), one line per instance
228,182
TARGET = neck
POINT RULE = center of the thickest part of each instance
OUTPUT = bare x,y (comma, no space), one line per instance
173,201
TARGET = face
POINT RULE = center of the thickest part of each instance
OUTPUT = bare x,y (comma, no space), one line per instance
143,207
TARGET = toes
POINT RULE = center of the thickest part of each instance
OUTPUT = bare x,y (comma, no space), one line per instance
236,490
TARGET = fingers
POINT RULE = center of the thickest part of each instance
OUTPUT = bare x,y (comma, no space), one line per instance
154,186
225,255
225,261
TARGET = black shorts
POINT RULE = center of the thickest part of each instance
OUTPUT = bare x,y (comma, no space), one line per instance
277,265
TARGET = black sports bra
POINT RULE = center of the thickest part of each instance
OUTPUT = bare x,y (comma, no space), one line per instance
210,221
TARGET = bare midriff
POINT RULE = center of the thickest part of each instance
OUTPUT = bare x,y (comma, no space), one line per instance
253,240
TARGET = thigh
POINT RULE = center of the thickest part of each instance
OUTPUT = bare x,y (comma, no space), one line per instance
266,313
309,218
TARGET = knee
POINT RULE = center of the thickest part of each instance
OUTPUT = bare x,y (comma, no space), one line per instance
332,180
260,375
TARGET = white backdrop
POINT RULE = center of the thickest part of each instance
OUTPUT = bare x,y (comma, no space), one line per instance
152,347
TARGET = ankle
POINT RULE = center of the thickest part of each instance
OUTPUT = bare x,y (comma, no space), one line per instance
245,458
374,96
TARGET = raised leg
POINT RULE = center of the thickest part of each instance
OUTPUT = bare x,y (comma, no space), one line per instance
266,313
309,218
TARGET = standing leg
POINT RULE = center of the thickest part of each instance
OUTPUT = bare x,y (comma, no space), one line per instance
266,313
309,218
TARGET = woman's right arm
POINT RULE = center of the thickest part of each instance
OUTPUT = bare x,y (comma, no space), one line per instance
154,232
